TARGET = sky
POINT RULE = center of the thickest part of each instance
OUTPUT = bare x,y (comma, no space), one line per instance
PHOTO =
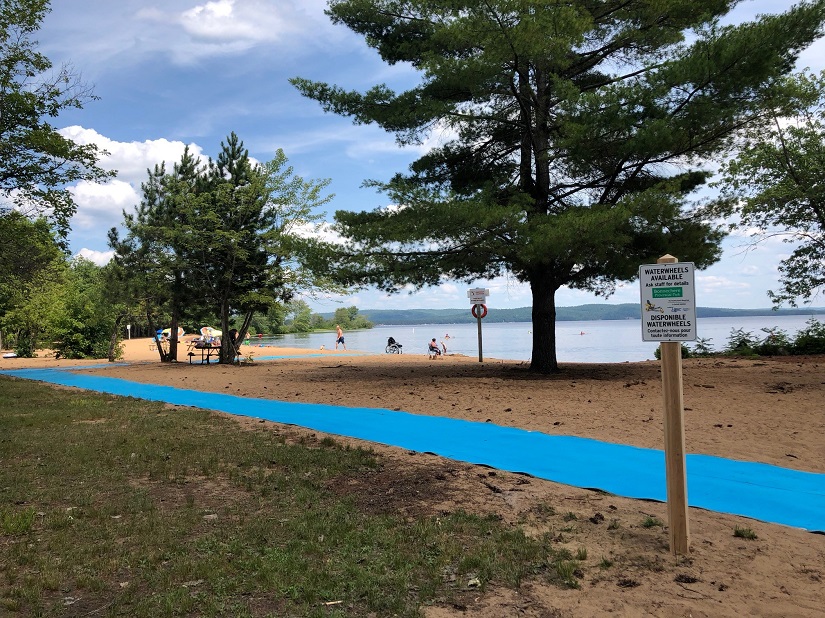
173,73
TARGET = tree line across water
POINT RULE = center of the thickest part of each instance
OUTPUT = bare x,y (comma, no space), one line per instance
584,313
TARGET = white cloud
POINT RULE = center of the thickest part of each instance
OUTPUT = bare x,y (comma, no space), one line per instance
128,33
322,231
714,283
101,258
360,142
227,27
369,150
100,206
384,143
132,159
220,21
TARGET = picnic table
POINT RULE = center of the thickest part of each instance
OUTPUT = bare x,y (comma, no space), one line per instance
207,351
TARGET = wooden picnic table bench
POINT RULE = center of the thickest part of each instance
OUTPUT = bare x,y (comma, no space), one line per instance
207,351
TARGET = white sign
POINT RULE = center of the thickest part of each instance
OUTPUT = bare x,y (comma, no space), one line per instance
668,302
478,296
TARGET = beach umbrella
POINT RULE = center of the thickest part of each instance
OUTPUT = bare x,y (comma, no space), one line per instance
210,331
168,332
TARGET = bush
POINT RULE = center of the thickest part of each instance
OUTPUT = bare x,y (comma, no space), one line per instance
702,348
83,343
775,343
811,339
740,343
685,352
25,346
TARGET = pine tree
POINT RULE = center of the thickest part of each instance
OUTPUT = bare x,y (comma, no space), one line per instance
219,240
575,135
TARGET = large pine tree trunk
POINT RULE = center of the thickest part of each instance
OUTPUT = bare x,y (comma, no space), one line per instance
227,353
173,336
544,325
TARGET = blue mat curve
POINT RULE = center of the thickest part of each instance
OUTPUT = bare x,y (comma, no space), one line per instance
760,491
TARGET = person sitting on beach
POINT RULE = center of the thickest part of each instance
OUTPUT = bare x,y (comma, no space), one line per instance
433,348
235,340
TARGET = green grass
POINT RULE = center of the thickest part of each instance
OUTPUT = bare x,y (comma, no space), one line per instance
16,522
744,533
118,507
652,522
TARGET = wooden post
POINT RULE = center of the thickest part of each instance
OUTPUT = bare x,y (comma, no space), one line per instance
674,426
480,354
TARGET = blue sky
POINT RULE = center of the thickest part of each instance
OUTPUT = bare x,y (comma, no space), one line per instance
188,72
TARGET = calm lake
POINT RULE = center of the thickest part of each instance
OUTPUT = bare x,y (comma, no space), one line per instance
603,341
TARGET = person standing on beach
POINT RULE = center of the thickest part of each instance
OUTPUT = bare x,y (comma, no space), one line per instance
339,337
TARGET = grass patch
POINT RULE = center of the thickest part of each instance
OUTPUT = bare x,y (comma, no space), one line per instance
652,522
118,507
744,533
566,571
16,522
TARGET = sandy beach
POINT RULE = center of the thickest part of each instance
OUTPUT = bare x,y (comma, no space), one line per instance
765,410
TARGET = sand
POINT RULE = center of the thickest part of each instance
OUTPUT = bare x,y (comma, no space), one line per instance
765,410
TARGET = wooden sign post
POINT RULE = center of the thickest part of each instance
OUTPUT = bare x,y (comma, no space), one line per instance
675,468
478,298
669,316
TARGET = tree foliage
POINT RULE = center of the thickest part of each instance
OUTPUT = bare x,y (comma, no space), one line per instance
36,162
31,263
222,239
84,325
50,302
348,318
28,247
572,134
776,186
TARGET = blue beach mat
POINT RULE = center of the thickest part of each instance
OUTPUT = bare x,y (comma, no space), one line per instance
760,491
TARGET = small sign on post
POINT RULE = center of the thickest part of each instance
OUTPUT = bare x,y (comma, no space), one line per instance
669,316
478,299
668,301
478,296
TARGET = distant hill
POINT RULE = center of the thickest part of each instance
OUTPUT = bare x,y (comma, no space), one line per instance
626,311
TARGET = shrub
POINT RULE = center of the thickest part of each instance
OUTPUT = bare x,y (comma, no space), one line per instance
702,348
744,533
740,343
811,339
25,346
775,343
685,352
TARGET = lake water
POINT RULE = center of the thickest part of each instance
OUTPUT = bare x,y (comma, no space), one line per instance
602,341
